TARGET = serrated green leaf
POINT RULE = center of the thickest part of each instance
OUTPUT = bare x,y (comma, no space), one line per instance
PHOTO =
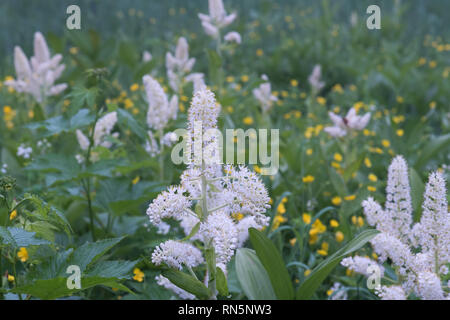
112,269
90,252
17,237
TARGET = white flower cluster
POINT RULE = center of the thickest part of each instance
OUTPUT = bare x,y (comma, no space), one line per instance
264,95
361,265
351,121
232,201
218,19
160,110
420,252
37,76
176,254
102,130
169,204
180,65
314,79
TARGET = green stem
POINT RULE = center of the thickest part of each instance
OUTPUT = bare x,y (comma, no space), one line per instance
161,155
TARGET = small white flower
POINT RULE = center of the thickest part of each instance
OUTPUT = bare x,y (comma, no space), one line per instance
350,122
233,36
146,56
264,95
314,79
24,152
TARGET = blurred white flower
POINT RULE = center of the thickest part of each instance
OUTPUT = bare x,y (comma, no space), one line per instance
180,65
146,56
160,111
24,152
314,79
233,36
350,122
37,76
102,130
264,95
216,19
198,81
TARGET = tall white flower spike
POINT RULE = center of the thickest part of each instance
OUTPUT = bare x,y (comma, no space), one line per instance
179,65
420,252
37,76
222,193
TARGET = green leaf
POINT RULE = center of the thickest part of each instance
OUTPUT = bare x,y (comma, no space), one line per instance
127,121
17,237
273,263
252,276
210,257
193,232
338,182
187,283
56,288
113,269
60,124
432,147
417,190
221,282
90,252
318,275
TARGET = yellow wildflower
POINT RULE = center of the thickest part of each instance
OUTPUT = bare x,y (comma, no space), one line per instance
336,200
22,254
138,275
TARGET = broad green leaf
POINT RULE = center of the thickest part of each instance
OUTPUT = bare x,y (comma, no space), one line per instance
17,237
127,121
60,124
112,269
318,275
57,287
187,283
90,252
252,276
273,263
221,282
434,146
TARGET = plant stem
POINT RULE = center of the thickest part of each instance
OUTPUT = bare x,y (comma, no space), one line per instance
161,155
